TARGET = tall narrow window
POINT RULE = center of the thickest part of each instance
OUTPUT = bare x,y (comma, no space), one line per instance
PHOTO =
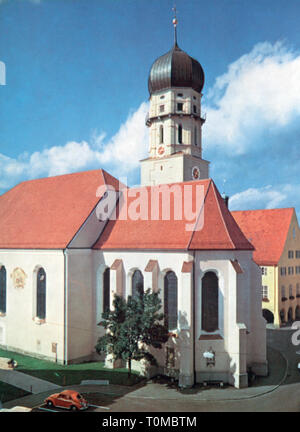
41,294
170,300
161,134
195,136
106,290
2,289
210,302
137,283
180,134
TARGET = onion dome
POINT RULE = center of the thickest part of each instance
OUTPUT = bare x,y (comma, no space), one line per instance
175,69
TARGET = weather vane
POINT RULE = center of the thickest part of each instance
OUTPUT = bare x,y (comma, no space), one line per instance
175,24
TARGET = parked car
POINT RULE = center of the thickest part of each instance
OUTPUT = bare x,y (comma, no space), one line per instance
69,399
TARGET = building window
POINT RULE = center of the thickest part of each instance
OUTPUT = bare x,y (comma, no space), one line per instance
41,294
137,287
283,297
180,106
2,289
290,270
297,269
194,97
297,253
170,300
264,271
180,94
290,254
265,292
180,134
294,232
195,135
291,297
162,97
161,134
210,302
282,316
297,290
282,271
195,109
161,108
106,290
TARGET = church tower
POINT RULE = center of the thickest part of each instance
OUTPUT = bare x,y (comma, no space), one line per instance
175,121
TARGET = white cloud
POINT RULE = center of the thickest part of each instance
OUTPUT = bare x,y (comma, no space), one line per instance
266,197
120,154
259,92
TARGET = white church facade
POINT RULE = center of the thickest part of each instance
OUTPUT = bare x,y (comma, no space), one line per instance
61,261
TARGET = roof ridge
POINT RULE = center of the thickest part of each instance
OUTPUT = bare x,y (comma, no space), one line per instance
286,233
198,216
257,210
221,214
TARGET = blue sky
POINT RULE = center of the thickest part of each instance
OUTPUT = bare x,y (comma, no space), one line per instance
76,89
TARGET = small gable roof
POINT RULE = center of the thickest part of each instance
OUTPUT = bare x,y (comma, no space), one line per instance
46,213
267,230
213,228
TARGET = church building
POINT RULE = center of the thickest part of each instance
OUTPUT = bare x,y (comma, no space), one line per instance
69,243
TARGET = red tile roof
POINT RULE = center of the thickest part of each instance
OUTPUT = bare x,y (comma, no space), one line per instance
267,230
219,231
47,213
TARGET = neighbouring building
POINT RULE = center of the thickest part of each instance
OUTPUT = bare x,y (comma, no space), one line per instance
67,246
275,235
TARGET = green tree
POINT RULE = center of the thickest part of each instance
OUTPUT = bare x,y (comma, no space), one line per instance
132,327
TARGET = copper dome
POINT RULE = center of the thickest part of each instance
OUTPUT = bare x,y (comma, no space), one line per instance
175,69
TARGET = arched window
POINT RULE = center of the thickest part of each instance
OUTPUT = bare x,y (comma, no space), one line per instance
195,135
210,302
297,313
170,300
180,134
2,289
106,290
41,294
282,316
290,315
137,283
161,134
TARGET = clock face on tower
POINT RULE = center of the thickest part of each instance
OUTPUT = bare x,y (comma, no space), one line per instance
195,173
161,150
